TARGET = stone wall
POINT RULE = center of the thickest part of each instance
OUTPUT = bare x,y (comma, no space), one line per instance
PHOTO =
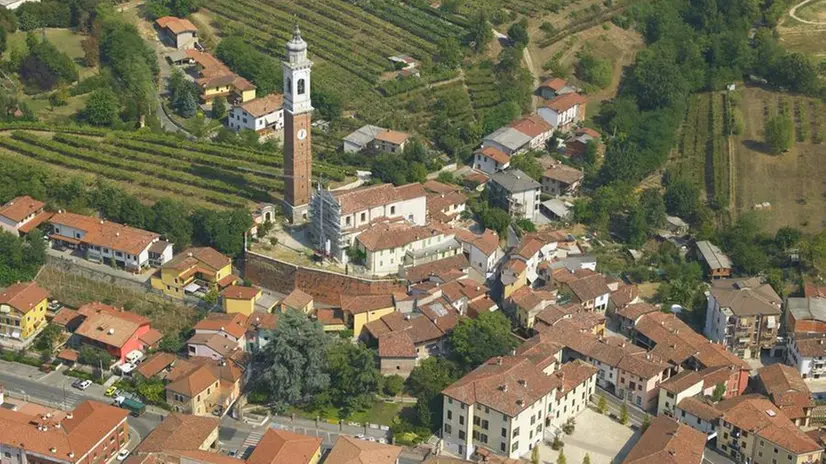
326,287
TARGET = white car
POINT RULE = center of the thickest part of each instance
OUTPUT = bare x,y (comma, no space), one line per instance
127,368
84,385
123,454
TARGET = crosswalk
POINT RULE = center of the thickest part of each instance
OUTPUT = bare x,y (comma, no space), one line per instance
250,443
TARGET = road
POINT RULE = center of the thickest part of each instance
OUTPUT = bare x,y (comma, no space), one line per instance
635,415
793,14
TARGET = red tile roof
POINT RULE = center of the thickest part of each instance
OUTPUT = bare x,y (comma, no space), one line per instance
555,83
234,324
107,234
360,199
532,126
176,25
565,102
666,441
495,154
283,447
237,292
348,450
20,208
23,296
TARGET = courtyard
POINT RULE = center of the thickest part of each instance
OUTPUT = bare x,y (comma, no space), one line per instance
603,439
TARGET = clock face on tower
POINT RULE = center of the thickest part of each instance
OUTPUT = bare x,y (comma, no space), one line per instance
302,134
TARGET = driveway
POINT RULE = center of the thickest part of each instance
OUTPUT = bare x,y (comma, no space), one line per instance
603,439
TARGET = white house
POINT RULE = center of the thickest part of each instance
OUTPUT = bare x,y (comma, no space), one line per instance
102,240
391,246
515,192
697,414
506,404
338,217
806,352
219,336
178,32
508,140
263,114
483,251
563,111
490,160
560,179
22,215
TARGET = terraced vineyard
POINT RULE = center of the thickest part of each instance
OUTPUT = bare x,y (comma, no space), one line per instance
155,166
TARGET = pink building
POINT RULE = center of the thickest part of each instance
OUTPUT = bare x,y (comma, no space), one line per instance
116,331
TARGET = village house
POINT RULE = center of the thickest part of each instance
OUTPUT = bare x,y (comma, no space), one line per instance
262,115
375,138
576,146
522,266
21,215
628,316
807,354
339,217
666,441
360,310
555,86
698,413
490,160
744,315
786,389
514,396
260,327
108,242
483,251
515,192
115,331
177,32
591,292
297,300
350,450
806,314
92,432
239,299
714,260
753,430
564,111
219,336
573,314
195,393
217,80
181,432
688,384
390,246
195,270
22,311
561,179
526,303
285,447
445,203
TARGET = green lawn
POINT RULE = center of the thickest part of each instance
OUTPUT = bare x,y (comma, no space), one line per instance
61,114
65,40
381,413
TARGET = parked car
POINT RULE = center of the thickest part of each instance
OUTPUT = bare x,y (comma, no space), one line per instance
45,367
84,384
111,391
76,383
123,454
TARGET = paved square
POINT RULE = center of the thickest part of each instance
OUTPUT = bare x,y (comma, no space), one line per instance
605,440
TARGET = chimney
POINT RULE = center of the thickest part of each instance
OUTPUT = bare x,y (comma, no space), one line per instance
523,383
111,331
69,416
53,449
117,234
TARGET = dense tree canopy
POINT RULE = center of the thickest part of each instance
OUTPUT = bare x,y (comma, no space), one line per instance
474,341
779,133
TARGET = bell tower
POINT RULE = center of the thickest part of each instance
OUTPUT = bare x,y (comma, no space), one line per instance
298,108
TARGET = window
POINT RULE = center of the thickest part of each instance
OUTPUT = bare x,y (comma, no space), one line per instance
348,220
485,424
450,401
392,210
447,429
476,420
516,432
461,420
515,445
301,88
504,432
363,216
502,447
450,415
461,434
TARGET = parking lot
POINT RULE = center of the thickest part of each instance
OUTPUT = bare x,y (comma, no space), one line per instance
603,439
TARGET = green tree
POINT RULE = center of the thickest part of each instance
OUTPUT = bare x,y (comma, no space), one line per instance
474,341
787,237
561,459
153,391
171,219
2,39
102,108
586,459
593,70
479,31
518,34
449,53
291,369
392,385
623,414
188,106
535,455
682,198
94,357
779,133
353,373
529,164
48,338
426,382
653,207
646,422
719,392
222,230
602,404
219,108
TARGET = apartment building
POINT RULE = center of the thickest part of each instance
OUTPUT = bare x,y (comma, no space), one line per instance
666,441
22,311
21,215
194,270
339,217
505,405
388,247
786,389
807,354
108,242
196,393
92,433
753,430
744,315
491,160
515,192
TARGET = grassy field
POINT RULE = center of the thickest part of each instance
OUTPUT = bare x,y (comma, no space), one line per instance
793,183
380,413
805,38
64,39
813,11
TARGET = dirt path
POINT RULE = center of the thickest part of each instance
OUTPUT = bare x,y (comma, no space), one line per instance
793,14
535,73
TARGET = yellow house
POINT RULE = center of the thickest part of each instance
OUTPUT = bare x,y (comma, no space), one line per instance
299,301
359,310
238,299
196,393
23,310
283,447
514,276
203,263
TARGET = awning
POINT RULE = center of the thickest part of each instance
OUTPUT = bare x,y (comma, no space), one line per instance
193,287
64,238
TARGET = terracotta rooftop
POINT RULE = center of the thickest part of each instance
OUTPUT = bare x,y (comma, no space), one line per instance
563,173
365,303
349,450
423,272
297,299
756,414
18,209
396,345
590,287
234,324
682,381
487,242
106,234
263,106
238,292
786,389
666,441
216,342
532,125
176,25
23,296
810,346
555,83
387,236
193,384
565,102
155,364
495,154
260,320
360,199
210,259
179,432
436,202
391,136
699,408
541,349
107,325
636,310
434,186
284,447
573,374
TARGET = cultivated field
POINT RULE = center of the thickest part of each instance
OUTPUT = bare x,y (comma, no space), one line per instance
155,166
794,183
805,37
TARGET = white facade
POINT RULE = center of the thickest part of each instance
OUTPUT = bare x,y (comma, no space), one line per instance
559,119
525,204
716,320
483,263
810,367
668,401
413,211
98,253
240,119
694,422
388,261
297,69
570,405
487,164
